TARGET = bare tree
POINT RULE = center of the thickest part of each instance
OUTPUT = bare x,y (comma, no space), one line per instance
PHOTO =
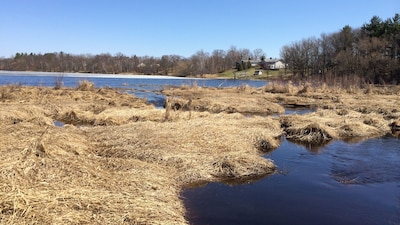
218,61
258,53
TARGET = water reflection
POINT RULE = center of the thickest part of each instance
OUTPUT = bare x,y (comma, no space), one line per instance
58,123
313,148
370,161
298,110
311,191
396,133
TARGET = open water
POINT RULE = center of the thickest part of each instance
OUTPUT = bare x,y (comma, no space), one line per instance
340,183
148,87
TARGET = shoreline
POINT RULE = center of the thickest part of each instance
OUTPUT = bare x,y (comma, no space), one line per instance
92,75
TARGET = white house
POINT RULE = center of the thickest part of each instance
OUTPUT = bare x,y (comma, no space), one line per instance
275,64
268,64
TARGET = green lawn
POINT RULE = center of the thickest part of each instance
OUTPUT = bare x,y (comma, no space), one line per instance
249,74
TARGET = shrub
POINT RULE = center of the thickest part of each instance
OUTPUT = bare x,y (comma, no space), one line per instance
85,85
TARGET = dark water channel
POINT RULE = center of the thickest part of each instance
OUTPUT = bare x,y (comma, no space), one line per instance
340,183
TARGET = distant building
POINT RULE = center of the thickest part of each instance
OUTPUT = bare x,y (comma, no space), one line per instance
273,64
276,64
255,63
268,64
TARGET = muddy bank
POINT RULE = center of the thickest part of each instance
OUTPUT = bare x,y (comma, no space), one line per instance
119,160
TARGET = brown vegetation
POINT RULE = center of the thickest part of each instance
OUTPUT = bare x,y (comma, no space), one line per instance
118,160
243,99
340,113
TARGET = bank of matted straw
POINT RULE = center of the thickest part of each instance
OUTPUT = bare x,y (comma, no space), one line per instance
241,99
207,147
129,170
52,175
326,125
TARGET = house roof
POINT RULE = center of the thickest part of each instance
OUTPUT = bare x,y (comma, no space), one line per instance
266,60
272,60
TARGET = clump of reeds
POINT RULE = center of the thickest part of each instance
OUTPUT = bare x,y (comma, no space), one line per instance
267,143
58,83
243,88
85,85
6,92
312,133
325,125
305,88
395,125
286,87
227,167
173,106
186,86
395,128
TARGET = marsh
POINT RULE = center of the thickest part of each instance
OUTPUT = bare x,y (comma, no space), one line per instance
120,158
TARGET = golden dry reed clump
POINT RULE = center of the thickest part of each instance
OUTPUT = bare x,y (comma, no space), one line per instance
85,85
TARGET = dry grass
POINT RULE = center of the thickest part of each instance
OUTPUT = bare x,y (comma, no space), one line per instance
243,99
276,87
195,147
326,125
85,85
119,160
54,177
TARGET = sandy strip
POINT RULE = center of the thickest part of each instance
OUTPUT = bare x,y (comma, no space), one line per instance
88,75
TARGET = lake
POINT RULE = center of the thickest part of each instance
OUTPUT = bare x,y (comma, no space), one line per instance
339,183
142,86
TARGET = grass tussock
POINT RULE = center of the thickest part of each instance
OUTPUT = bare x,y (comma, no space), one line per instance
326,125
8,92
277,87
310,133
267,143
85,85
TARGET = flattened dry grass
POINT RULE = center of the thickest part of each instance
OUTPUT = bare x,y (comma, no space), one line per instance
326,125
117,160
201,149
241,99
52,175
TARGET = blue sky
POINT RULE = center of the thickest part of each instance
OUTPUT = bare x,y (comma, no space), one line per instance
181,27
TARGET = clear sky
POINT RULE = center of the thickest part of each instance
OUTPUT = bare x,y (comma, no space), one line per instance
180,27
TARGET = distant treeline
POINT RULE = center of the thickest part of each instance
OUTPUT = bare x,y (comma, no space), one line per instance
371,52
199,63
